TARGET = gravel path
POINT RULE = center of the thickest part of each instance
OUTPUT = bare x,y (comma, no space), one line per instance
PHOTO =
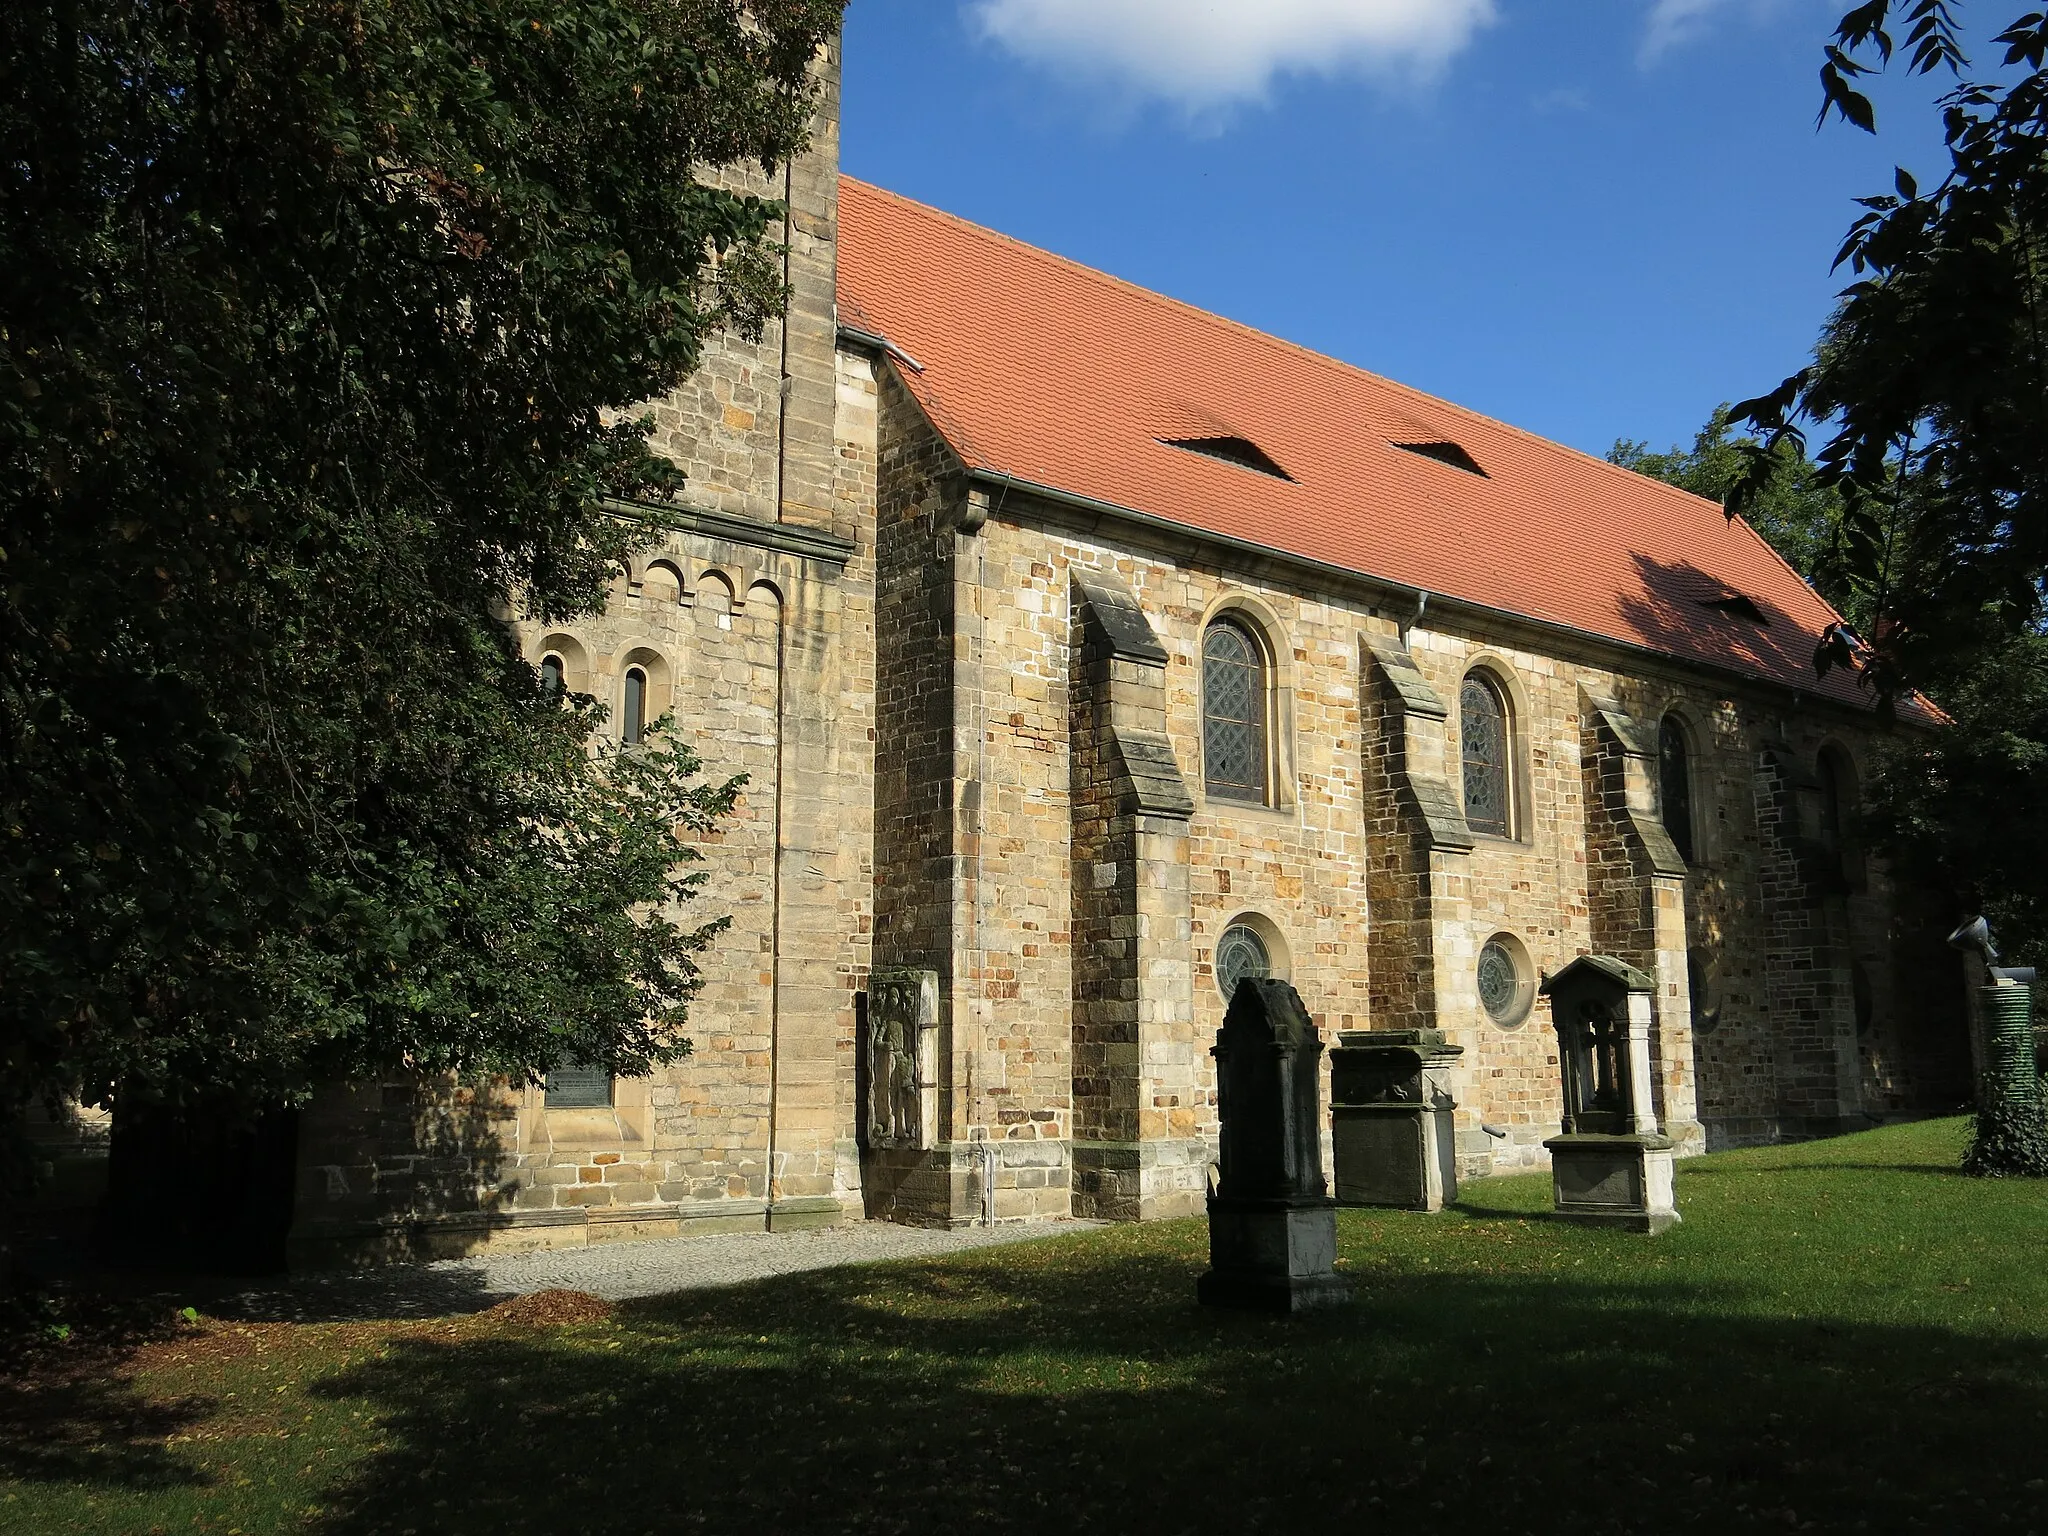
615,1271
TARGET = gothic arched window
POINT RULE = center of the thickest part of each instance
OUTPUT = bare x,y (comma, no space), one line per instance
635,723
1837,797
1674,766
1234,760
1486,741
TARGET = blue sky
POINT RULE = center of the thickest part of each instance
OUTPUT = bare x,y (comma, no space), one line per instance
1591,218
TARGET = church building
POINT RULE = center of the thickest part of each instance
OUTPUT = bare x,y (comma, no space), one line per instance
1086,653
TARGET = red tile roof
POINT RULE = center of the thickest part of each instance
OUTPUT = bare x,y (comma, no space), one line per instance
1053,374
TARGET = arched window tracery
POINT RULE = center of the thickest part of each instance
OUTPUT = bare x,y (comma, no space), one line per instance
1674,774
1235,738
1486,742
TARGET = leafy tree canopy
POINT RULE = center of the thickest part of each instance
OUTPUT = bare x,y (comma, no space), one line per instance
1930,386
317,321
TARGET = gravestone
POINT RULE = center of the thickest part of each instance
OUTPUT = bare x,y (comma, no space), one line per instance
902,1108
1610,1166
1272,1223
1393,1131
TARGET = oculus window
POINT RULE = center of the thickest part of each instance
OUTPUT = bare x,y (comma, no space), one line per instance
1234,761
1674,768
1484,740
1506,989
1240,953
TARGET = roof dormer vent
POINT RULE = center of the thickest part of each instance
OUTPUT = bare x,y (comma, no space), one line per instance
1737,606
1242,452
1446,452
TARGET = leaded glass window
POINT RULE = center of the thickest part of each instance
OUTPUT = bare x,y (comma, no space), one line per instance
1233,714
1483,734
636,707
1240,953
1675,765
579,1087
1504,988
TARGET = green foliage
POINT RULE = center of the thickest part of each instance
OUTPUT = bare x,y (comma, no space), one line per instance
2008,1140
1799,518
316,321
1956,810
1931,379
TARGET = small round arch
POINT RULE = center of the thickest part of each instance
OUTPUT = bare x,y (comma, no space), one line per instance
569,655
644,685
662,584
717,595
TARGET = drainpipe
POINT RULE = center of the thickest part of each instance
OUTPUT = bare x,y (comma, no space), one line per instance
988,1182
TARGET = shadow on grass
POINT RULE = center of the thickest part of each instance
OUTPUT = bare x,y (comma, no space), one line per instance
1084,1391
70,1412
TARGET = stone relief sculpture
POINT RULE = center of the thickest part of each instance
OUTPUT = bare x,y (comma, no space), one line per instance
903,1026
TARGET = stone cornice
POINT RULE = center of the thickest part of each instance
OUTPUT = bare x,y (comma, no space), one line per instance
783,538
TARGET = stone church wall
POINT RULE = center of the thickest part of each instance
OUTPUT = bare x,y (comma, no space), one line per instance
753,618
1376,912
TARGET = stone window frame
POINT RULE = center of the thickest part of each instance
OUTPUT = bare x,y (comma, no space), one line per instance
1258,619
659,697
1506,684
1526,979
627,1122
1279,951
1700,823
575,658
1841,782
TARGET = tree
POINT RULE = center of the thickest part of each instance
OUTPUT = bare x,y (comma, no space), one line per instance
321,326
1931,385
1931,379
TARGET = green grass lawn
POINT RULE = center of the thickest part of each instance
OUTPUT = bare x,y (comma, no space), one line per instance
1842,1336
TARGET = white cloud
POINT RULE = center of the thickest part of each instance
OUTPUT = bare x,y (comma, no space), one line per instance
1674,23
1208,53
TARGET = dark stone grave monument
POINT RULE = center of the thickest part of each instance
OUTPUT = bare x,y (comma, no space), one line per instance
1393,1130
1272,1223
1610,1167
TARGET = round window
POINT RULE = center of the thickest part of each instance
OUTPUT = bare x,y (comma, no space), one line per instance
1240,953
1504,989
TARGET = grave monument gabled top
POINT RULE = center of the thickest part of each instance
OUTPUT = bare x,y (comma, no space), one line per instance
1268,1060
1272,1223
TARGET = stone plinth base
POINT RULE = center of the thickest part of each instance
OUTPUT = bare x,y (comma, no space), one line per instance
1398,1155
1272,1257
1141,1180
1613,1181
327,1245
967,1183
